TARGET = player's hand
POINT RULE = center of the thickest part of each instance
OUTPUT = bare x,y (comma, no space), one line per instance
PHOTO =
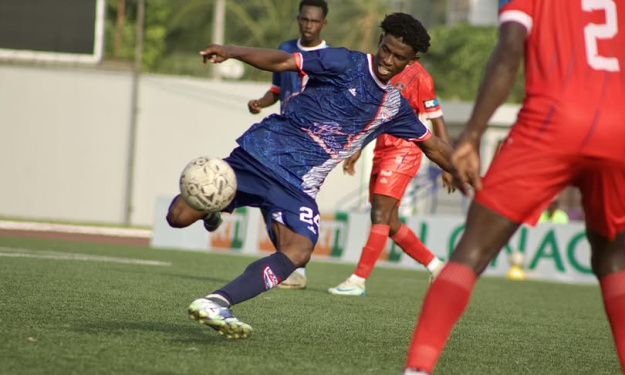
448,182
214,53
350,162
254,106
465,161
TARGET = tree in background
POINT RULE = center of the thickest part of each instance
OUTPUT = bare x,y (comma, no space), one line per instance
355,24
176,29
120,31
248,22
457,58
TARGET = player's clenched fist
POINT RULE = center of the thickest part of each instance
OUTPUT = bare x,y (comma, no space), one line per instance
214,53
254,106
466,164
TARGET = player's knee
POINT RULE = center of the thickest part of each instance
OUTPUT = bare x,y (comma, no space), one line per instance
380,215
395,224
299,255
171,212
175,214
607,256
302,260
173,219
474,258
607,262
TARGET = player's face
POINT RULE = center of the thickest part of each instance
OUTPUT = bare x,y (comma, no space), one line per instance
310,21
392,57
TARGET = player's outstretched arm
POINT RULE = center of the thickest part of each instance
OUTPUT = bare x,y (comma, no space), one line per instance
440,153
440,130
264,59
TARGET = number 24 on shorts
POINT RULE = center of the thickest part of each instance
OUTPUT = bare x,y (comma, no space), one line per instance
306,216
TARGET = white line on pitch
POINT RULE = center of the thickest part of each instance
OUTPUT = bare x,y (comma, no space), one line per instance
26,253
63,228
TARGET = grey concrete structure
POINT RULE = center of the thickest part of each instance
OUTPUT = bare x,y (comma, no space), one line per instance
64,135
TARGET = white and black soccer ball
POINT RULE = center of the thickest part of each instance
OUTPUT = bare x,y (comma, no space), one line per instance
208,184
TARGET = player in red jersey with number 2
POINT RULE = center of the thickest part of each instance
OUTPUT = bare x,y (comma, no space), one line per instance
570,131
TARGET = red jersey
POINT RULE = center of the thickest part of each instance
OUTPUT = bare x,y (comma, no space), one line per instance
396,154
574,75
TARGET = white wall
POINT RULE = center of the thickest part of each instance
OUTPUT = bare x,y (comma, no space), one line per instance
64,141
483,12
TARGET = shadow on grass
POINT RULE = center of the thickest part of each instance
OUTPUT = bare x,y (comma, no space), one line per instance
308,289
198,278
187,333
176,275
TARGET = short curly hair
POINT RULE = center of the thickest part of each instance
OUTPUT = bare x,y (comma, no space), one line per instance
408,29
315,3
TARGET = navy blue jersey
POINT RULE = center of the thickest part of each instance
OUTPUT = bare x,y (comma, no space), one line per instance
288,84
342,108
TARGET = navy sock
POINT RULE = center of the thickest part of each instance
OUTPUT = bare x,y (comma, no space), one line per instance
258,277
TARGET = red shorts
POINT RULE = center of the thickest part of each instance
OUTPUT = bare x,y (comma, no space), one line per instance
404,159
522,181
390,183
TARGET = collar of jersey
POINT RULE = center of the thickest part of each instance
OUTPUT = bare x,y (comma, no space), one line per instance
318,46
383,86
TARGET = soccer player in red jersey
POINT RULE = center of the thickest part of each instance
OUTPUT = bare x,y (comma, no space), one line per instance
569,131
395,163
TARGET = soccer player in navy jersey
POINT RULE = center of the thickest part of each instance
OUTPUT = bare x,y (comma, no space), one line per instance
311,20
282,161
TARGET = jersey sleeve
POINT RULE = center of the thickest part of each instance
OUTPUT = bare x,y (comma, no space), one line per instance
326,62
426,99
406,125
276,78
519,11
275,83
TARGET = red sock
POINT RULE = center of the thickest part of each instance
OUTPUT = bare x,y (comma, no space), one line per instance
412,245
444,303
613,291
372,250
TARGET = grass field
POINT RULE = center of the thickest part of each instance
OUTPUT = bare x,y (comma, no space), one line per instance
61,313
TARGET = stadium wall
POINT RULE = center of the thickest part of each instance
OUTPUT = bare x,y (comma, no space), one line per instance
550,252
64,141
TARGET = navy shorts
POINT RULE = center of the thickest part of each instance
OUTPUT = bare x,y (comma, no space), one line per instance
278,200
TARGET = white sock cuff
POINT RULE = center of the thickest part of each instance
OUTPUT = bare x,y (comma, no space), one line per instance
434,264
301,271
357,279
218,296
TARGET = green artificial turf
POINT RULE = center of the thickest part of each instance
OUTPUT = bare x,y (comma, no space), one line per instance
95,316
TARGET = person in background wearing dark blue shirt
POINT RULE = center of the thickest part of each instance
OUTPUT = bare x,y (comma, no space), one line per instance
282,161
311,20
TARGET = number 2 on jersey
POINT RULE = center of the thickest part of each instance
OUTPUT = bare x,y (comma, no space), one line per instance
593,32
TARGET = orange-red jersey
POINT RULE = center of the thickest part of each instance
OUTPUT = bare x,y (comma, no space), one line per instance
396,154
574,75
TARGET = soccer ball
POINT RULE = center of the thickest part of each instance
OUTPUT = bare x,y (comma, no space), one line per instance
208,184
